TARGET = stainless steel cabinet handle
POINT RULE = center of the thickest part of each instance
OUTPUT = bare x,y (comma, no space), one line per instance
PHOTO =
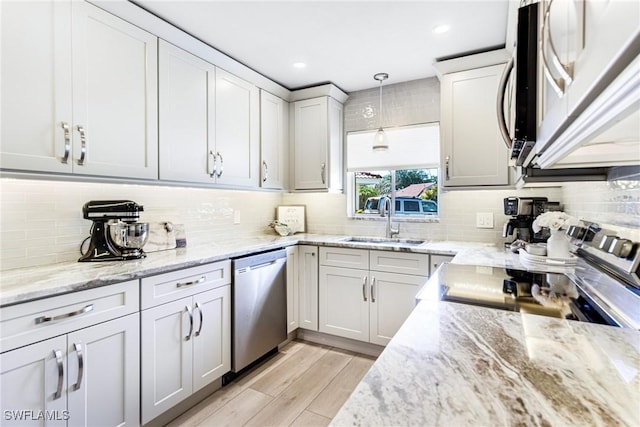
373,287
58,355
446,167
199,307
78,349
265,175
212,160
221,165
558,85
188,337
43,319
193,282
67,142
502,90
566,71
364,288
323,173
83,145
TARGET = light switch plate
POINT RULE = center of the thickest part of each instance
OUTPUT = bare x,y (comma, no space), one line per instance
484,220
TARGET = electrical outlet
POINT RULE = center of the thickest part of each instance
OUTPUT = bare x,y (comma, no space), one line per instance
484,220
236,217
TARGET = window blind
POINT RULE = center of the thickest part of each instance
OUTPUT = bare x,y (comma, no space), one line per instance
410,147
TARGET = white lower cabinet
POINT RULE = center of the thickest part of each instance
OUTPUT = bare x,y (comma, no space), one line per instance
186,343
366,304
292,289
86,376
308,287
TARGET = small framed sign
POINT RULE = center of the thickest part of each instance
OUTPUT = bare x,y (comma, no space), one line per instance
293,216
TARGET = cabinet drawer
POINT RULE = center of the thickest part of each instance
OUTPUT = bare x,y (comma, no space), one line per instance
341,257
156,290
26,323
400,262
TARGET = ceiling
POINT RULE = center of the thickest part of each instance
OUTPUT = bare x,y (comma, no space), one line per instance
342,42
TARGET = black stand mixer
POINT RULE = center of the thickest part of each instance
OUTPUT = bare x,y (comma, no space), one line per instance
115,234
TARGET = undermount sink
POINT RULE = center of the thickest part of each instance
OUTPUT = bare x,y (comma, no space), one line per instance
384,241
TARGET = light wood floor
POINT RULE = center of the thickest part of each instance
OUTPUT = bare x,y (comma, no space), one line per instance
303,385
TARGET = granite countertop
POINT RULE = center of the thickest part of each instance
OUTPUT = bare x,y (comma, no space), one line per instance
26,284
459,365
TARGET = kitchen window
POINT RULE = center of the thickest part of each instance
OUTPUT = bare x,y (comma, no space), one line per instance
407,173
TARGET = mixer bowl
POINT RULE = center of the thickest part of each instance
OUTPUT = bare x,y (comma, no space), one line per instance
129,235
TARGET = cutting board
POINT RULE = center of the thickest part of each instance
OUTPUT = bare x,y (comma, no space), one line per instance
162,236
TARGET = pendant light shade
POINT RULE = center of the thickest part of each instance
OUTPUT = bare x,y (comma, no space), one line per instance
380,142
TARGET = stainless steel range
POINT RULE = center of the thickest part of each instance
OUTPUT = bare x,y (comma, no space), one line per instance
603,288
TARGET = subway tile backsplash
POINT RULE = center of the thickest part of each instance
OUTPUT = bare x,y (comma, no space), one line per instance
41,221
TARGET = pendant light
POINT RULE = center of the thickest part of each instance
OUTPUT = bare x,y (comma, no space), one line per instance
380,142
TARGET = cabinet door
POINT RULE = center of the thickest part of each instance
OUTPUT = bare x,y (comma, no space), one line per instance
104,374
166,333
393,297
30,377
292,289
35,85
310,144
308,287
273,130
212,336
237,130
186,102
115,96
343,302
473,152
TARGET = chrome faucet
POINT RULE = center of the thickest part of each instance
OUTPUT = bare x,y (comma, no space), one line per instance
385,209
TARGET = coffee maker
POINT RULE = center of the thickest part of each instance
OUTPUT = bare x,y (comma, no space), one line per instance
523,211
115,233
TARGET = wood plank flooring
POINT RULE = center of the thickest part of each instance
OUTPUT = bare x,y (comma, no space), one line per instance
303,385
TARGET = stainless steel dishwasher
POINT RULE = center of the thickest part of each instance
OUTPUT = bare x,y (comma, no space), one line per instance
259,307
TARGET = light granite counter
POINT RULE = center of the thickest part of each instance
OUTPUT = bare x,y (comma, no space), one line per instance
460,365
26,284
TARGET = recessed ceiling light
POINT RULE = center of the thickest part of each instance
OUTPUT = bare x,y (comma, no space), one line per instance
439,29
299,65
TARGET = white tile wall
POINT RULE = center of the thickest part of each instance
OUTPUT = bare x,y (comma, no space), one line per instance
41,221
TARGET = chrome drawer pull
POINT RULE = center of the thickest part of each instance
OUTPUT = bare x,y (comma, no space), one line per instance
83,145
193,282
219,174
78,348
44,319
364,288
373,287
58,355
67,142
199,307
188,337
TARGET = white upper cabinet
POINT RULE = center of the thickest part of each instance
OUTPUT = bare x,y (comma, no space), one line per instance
589,99
273,140
318,144
237,131
472,150
84,100
36,87
186,102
